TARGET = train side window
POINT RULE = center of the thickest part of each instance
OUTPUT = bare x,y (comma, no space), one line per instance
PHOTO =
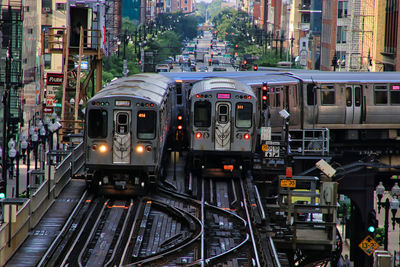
310,95
357,95
178,88
244,112
146,124
97,123
381,94
202,114
327,95
277,97
395,95
348,96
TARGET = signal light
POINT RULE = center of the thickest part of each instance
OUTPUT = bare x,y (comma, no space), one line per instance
180,127
179,117
198,135
255,67
264,97
148,148
246,136
236,46
244,62
372,222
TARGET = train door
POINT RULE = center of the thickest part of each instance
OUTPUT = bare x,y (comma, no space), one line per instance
353,100
223,126
122,137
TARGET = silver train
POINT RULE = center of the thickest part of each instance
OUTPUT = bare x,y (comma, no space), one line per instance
127,128
221,126
353,106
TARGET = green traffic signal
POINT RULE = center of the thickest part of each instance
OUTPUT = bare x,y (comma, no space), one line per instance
2,195
371,229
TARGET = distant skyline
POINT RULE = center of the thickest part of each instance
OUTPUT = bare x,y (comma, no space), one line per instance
206,1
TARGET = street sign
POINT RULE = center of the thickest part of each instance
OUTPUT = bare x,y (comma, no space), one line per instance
47,109
264,147
288,183
368,245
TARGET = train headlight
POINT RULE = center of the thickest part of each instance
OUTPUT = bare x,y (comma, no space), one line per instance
246,136
239,136
139,149
198,135
103,148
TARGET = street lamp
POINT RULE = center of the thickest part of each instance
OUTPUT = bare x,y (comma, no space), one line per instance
392,204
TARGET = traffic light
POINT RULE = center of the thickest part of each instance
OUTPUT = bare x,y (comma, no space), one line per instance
179,132
212,54
209,62
255,67
264,95
3,186
236,46
372,222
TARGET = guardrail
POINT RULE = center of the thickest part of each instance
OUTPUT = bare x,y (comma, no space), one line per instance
25,214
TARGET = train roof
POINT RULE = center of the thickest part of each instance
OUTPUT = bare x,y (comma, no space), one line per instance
218,83
348,77
269,78
198,76
145,86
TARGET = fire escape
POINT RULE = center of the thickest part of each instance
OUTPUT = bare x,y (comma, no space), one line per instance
77,49
11,24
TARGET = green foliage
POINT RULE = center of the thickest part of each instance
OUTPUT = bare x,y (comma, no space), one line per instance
184,26
270,59
380,236
214,8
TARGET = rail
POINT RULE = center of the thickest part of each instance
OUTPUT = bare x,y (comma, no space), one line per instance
309,141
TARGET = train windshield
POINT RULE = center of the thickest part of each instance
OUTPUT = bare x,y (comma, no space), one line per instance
202,114
146,124
244,113
97,123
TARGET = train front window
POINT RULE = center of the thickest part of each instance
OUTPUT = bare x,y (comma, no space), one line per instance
244,113
122,123
202,114
97,123
146,124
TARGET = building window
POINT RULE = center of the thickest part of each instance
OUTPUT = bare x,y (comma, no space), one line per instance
341,57
342,9
186,9
30,31
305,18
186,2
341,34
60,6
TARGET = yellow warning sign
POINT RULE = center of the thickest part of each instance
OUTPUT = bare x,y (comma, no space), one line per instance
368,245
288,183
264,147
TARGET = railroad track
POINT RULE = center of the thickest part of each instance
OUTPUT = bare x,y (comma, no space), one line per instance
212,226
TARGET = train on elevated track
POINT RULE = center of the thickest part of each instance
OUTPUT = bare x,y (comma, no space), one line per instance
353,107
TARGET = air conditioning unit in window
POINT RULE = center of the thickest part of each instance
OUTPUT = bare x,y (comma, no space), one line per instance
46,10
